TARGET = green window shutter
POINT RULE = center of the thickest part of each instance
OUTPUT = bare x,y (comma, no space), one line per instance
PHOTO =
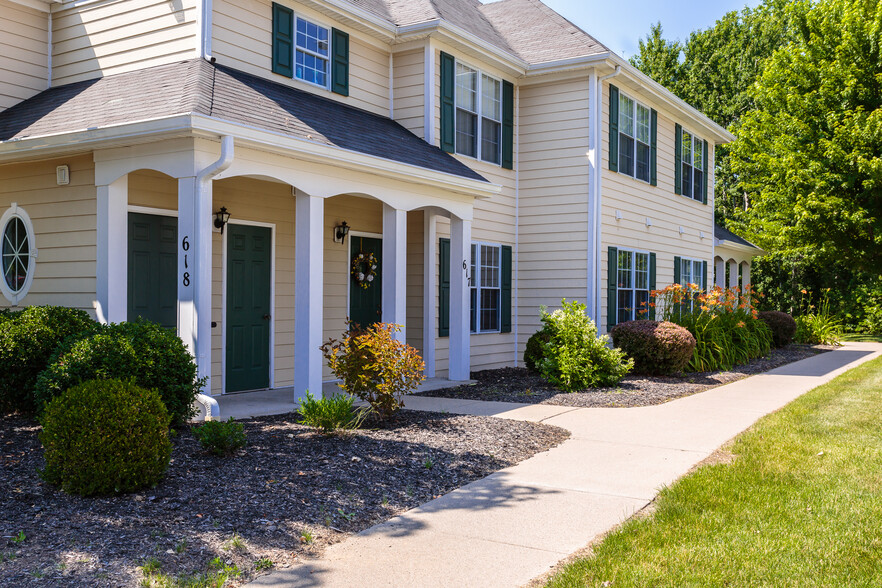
704,164
678,159
505,303
704,276
283,40
448,107
507,125
653,152
651,285
444,288
340,62
612,288
613,128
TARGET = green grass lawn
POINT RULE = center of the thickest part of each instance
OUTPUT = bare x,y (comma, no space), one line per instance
862,337
801,505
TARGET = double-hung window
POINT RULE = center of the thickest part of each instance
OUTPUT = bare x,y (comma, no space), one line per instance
311,53
486,288
634,138
478,114
632,285
690,272
691,158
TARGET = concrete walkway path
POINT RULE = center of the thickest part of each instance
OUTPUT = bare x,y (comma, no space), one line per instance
506,529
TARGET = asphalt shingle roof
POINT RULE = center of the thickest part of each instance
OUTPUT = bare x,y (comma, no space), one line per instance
199,87
723,234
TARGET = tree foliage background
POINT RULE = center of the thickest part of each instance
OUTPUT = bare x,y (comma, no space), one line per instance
799,82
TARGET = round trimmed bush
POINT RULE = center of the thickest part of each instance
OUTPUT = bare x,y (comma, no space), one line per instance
781,324
27,339
533,352
105,437
148,354
658,348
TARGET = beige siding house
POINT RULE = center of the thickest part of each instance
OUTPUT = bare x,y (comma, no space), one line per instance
227,168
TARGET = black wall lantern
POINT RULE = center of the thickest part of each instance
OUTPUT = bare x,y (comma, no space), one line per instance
221,218
340,232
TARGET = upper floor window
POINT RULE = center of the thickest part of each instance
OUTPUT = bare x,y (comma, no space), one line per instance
634,138
486,287
478,114
311,53
633,130
692,174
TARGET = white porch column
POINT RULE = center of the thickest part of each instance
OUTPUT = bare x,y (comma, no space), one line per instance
430,290
720,270
395,268
745,276
733,273
460,262
111,274
195,220
308,293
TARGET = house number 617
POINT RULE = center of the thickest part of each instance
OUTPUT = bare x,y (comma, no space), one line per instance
185,245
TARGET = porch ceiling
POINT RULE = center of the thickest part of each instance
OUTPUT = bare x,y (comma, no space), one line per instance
197,87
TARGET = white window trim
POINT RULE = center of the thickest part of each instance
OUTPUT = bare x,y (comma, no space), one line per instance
696,140
634,137
15,211
475,282
296,47
633,288
479,102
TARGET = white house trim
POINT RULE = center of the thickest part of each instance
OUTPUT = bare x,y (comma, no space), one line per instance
111,272
460,261
308,293
394,292
15,211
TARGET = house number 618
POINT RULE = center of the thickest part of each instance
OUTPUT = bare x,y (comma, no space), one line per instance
185,245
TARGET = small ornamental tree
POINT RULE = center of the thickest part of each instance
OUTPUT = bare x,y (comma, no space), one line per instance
375,367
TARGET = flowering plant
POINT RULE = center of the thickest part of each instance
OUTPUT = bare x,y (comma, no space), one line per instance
364,269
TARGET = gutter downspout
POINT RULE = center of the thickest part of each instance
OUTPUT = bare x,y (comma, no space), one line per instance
204,28
203,179
595,188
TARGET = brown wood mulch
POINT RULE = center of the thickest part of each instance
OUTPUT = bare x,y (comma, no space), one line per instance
521,385
286,496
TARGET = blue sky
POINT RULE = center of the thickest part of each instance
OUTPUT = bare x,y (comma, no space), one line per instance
621,23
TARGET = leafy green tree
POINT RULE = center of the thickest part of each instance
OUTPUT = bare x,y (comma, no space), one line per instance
659,58
809,153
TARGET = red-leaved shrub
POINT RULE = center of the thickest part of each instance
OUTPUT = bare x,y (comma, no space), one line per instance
781,324
658,348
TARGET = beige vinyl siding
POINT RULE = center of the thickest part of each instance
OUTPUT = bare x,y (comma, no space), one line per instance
115,36
24,45
409,91
242,39
554,216
64,219
636,201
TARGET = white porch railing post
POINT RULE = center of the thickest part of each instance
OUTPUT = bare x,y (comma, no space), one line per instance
194,271
460,266
308,293
112,253
430,290
733,273
394,262
720,270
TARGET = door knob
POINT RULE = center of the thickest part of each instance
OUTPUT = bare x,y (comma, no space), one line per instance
266,317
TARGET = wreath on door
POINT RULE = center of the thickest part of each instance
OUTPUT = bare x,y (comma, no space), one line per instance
364,269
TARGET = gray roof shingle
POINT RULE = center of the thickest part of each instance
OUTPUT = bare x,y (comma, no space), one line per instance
199,87
723,234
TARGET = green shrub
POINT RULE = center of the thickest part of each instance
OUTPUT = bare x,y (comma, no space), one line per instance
152,356
657,348
819,327
27,340
331,414
872,322
105,437
220,437
375,367
781,324
533,352
574,357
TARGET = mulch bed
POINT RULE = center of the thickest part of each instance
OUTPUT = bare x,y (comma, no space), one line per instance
521,385
287,495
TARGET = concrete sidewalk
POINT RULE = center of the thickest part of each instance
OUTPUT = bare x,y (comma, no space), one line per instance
512,526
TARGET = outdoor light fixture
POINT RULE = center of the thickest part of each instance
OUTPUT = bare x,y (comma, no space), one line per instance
221,218
340,232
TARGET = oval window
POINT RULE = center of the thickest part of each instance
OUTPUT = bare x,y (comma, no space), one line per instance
17,253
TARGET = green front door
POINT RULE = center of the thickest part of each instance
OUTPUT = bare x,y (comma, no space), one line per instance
365,304
248,307
153,264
